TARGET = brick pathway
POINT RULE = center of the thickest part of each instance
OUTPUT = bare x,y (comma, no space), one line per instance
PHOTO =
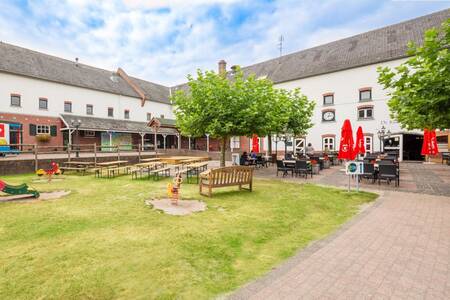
399,248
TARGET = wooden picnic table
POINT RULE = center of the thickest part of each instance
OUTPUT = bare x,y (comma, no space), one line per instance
79,163
112,163
150,159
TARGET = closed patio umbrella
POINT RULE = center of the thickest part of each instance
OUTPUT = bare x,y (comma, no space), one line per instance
429,146
255,144
346,144
359,145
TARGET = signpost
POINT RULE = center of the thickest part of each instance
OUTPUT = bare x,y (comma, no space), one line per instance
354,168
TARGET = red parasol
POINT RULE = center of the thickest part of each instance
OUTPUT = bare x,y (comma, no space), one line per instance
359,145
429,146
255,144
346,144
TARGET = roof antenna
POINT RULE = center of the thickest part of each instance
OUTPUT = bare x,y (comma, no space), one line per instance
280,44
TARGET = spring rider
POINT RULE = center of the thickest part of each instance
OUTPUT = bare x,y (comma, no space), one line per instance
173,189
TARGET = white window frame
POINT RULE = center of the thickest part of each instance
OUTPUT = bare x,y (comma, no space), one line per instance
235,142
69,105
365,117
42,129
328,97
368,141
89,133
327,141
149,116
44,100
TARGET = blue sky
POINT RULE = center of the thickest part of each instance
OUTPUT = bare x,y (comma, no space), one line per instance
163,41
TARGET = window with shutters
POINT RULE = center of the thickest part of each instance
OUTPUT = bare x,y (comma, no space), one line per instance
42,129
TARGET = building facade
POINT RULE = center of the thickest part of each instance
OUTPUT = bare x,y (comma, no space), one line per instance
71,103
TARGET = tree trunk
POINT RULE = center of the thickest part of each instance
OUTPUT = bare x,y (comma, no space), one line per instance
223,148
269,144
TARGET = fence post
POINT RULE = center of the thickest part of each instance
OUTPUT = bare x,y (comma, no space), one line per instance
68,151
95,155
118,152
35,158
139,151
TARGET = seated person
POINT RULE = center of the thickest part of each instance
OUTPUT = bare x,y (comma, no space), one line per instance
244,159
310,150
253,154
288,156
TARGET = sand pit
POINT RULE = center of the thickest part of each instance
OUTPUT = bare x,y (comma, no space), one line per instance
184,207
43,196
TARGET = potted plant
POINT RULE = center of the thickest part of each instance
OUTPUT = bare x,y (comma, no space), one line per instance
315,166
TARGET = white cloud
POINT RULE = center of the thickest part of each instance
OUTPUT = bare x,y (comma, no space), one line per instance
163,41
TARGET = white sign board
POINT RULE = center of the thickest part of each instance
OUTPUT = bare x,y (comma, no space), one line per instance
354,168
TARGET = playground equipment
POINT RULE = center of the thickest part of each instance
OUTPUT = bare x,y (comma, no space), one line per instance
173,190
53,171
21,189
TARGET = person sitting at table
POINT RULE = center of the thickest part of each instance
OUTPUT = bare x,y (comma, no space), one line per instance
309,150
253,154
244,159
288,156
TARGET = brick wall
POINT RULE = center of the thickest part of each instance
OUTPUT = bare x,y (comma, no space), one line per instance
26,120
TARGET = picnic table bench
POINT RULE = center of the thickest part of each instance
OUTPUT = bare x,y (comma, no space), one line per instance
150,159
141,168
111,168
226,176
158,173
79,166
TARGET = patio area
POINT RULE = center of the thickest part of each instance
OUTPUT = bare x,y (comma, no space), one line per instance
416,177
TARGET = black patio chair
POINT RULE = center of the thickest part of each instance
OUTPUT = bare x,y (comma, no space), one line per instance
302,168
282,168
261,161
389,172
369,172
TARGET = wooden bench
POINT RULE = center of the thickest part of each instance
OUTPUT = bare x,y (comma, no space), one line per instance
226,176
156,174
78,169
113,172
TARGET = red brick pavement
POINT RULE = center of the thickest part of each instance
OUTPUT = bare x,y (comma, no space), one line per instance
399,248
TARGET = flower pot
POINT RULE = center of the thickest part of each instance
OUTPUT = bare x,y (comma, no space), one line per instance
326,164
315,169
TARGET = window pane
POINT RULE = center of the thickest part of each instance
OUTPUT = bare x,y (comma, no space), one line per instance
89,109
15,100
127,114
67,107
361,113
110,112
149,116
369,113
43,103
328,99
365,95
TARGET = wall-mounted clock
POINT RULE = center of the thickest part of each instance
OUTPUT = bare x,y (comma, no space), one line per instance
328,115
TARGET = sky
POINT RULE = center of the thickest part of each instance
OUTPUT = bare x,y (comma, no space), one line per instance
163,41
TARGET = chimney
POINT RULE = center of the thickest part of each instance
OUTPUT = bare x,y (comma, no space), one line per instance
76,61
222,67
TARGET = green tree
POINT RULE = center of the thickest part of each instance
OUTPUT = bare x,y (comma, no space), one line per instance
420,87
239,106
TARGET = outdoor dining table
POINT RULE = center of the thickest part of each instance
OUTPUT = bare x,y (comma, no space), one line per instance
112,163
150,159
195,169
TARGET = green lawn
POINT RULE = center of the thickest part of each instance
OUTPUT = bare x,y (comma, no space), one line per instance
103,242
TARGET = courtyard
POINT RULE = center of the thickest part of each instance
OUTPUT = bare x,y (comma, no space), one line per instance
103,242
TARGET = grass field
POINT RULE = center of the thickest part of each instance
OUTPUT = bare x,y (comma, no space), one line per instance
103,242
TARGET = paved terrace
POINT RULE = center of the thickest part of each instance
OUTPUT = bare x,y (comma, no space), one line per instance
397,248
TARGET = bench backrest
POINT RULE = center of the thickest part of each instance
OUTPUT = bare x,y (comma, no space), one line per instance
230,175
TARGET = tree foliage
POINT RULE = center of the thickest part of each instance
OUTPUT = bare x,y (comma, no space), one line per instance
240,105
420,87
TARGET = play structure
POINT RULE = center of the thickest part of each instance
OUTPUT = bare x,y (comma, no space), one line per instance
18,190
173,189
50,172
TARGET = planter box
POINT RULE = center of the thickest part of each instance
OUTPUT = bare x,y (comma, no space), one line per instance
326,164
